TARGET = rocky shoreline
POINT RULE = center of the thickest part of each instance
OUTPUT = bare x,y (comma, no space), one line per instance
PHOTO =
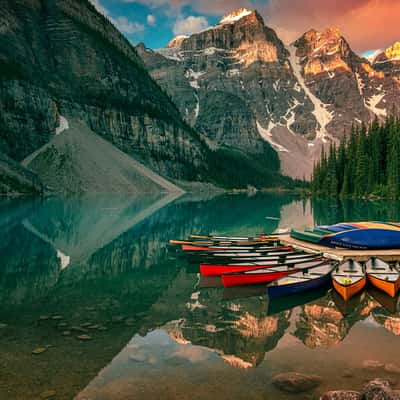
375,389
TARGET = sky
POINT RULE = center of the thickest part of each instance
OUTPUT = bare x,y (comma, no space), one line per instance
368,25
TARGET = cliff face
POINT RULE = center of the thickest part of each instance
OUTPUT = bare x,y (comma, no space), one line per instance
296,98
236,71
64,58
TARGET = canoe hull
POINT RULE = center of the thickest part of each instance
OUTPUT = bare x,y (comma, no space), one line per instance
348,291
294,288
253,279
364,239
218,270
391,288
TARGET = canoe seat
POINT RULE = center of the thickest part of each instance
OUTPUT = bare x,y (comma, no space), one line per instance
349,270
347,276
384,273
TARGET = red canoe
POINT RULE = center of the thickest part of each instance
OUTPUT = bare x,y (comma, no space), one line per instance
219,269
265,275
187,247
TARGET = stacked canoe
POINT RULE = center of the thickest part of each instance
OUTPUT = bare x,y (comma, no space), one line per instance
262,259
353,235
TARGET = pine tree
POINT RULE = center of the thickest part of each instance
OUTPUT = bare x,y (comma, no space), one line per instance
367,163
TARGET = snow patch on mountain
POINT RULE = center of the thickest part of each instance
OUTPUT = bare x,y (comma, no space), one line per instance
63,125
235,16
320,112
194,78
267,135
372,103
172,53
197,108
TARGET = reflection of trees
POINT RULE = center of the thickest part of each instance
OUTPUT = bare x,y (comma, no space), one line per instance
332,211
29,266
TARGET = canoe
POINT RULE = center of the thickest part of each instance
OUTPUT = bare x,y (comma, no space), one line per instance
186,247
230,258
221,243
220,269
313,277
348,279
237,252
383,276
227,258
266,274
353,235
261,236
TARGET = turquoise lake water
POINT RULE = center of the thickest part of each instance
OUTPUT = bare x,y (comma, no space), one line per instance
89,285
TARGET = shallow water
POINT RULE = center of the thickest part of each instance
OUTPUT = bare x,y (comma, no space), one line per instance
98,267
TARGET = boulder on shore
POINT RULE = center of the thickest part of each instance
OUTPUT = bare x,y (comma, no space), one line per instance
341,395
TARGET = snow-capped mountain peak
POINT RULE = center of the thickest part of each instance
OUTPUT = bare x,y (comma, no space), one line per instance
176,41
235,16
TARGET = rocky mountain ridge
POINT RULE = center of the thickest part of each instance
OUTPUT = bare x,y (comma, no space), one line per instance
295,97
62,60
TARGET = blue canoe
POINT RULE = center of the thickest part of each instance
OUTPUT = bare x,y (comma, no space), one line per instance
301,281
353,235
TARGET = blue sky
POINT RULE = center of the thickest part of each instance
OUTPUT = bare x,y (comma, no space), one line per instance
154,24
367,25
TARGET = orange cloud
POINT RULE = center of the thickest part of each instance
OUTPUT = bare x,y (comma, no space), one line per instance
366,24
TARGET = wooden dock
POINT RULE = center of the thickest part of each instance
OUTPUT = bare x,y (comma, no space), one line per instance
341,254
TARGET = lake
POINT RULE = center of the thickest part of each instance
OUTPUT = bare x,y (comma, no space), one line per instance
94,306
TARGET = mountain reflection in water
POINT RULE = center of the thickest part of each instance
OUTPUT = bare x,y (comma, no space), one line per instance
99,267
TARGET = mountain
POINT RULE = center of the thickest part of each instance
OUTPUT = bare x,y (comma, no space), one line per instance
64,61
238,85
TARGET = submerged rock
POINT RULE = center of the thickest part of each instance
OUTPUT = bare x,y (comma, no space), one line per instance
296,382
341,395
